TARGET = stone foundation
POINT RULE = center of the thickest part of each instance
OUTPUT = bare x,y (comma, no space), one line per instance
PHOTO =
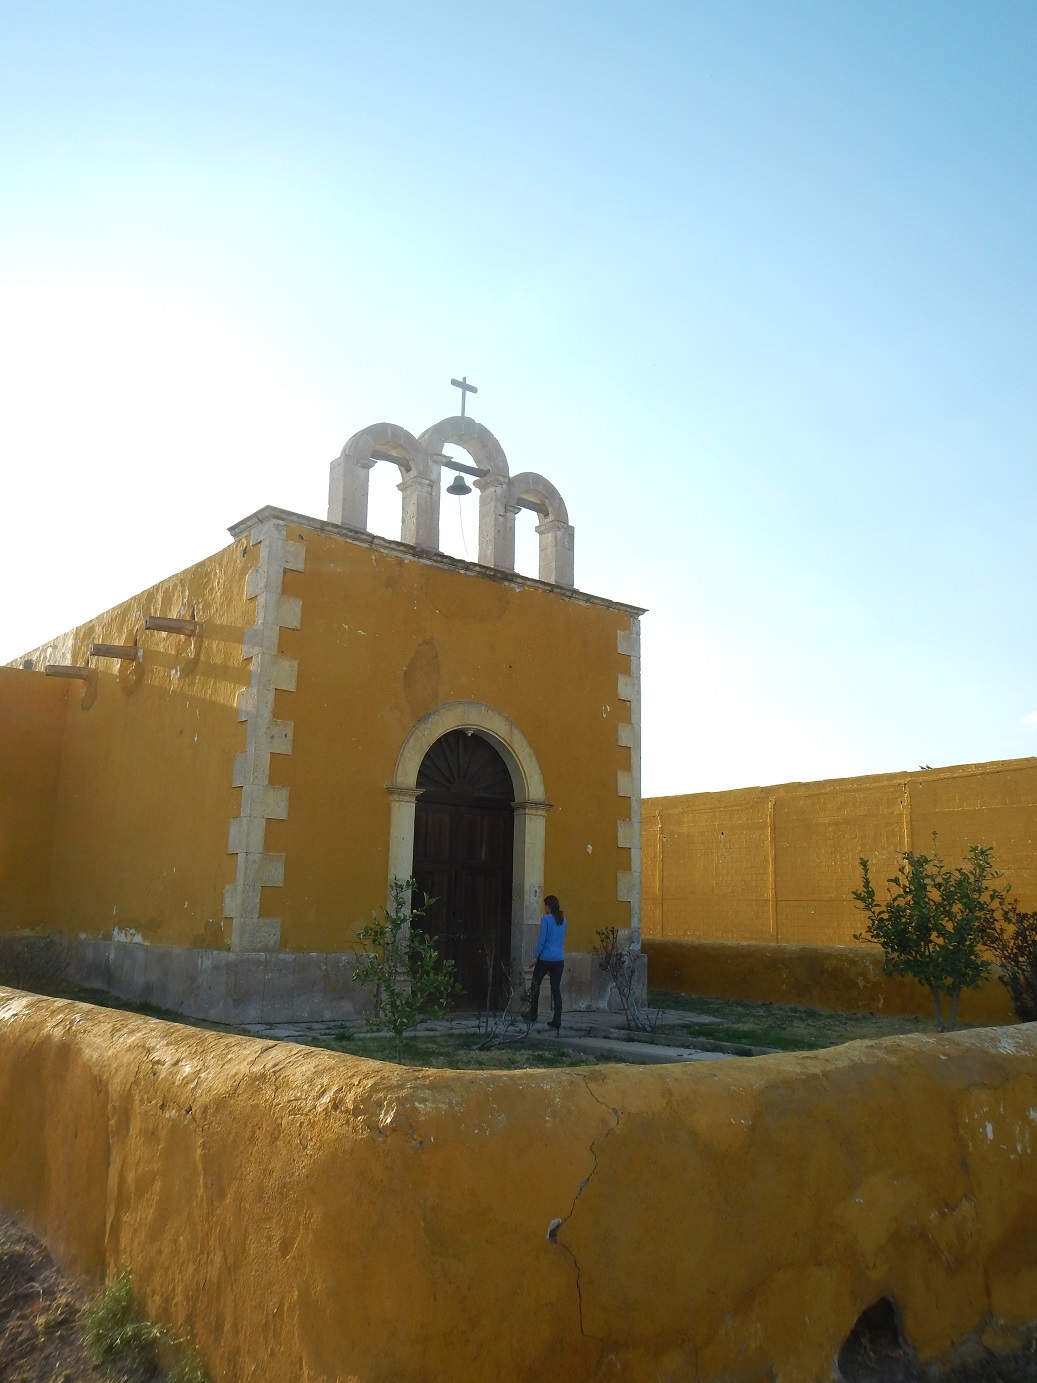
242,986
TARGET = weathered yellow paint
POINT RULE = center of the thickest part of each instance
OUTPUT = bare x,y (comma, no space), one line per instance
846,979
385,638
779,864
144,799
311,1216
32,720
144,795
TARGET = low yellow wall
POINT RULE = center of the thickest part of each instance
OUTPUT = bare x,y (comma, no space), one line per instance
312,1216
32,720
846,979
781,863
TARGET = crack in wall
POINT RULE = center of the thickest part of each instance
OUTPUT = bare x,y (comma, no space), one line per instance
557,1225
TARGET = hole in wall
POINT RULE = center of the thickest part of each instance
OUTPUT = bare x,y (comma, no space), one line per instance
874,1351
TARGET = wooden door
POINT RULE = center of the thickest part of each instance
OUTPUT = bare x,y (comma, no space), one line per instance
463,829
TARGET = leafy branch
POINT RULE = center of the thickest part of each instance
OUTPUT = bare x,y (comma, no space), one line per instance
411,980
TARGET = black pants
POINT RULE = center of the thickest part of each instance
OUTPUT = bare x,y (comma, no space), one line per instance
553,968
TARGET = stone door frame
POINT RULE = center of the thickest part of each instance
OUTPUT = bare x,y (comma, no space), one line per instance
530,809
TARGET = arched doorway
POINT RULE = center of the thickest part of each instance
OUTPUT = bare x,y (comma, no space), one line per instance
463,850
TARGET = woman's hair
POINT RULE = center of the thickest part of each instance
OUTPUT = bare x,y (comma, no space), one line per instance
554,907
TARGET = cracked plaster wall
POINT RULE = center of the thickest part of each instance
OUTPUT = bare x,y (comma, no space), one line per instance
313,1216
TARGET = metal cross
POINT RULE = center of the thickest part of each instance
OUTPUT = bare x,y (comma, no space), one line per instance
465,388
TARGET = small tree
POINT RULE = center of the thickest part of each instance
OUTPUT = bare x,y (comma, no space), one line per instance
620,964
933,922
412,981
1011,938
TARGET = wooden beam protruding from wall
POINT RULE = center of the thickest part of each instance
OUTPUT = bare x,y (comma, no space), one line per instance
171,626
125,652
79,674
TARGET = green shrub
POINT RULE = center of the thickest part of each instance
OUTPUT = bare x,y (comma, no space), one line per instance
933,923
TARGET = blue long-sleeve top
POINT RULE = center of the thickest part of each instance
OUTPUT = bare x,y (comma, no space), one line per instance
551,941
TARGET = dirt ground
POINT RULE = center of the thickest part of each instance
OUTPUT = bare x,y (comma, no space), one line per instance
42,1337
40,1314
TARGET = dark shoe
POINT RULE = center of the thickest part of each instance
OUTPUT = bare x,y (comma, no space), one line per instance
528,1017
557,1026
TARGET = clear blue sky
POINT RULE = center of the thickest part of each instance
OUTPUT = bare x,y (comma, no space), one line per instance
752,283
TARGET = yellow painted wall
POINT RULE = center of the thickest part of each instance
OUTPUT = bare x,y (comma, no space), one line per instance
143,798
311,1216
846,979
779,863
384,639
144,795
32,720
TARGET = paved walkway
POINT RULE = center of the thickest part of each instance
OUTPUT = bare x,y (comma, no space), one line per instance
592,1034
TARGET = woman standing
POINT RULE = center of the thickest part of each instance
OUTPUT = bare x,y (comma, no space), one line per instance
549,960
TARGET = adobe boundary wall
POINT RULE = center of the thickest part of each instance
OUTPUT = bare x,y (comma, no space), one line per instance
307,1215
780,863
846,979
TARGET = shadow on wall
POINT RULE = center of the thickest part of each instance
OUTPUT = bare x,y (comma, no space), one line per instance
839,979
272,1199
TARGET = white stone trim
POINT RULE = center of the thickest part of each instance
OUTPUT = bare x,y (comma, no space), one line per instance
262,801
530,808
350,479
498,507
628,781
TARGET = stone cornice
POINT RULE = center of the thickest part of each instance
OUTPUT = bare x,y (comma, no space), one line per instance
432,559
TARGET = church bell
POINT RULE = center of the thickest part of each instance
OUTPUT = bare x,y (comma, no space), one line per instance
459,486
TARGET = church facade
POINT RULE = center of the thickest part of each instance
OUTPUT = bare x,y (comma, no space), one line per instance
217,782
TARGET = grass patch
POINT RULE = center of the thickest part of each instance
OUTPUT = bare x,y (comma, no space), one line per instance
777,1026
117,1335
51,1333
455,1052
784,1027
131,1347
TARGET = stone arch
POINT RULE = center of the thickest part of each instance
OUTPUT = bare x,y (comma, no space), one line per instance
478,441
349,485
485,451
538,490
500,502
529,806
